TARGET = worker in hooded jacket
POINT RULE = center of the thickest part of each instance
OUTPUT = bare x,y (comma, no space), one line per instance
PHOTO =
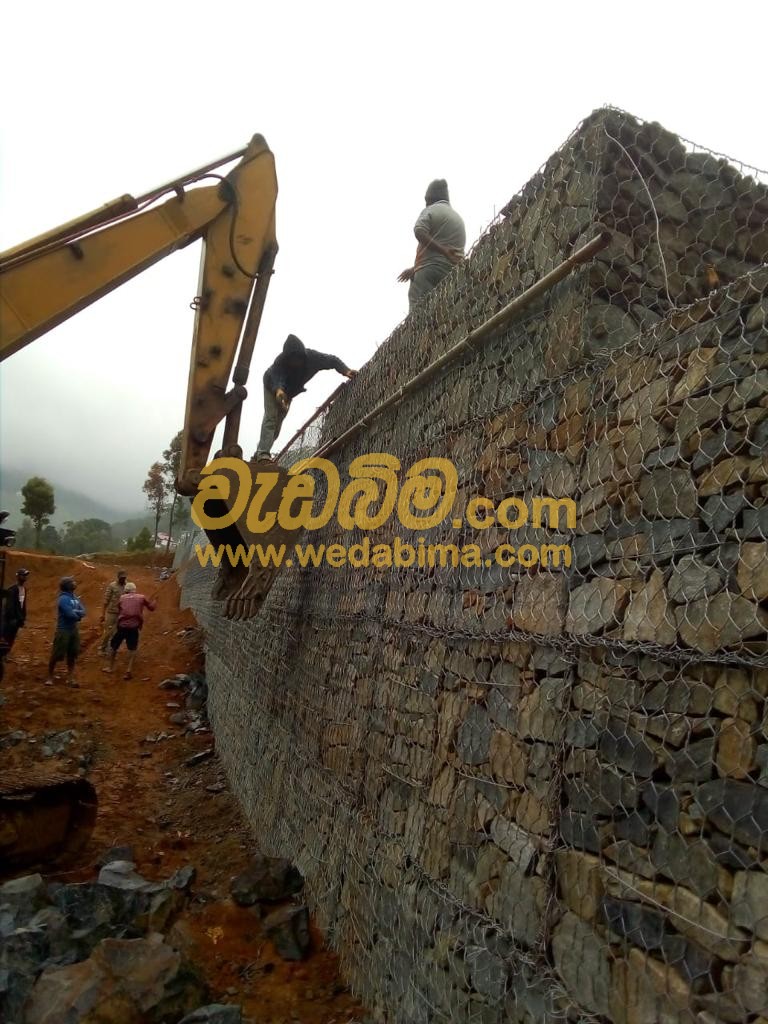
285,379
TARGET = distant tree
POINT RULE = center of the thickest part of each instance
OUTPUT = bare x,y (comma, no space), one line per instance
25,535
141,542
50,539
39,503
156,492
86,535
171,465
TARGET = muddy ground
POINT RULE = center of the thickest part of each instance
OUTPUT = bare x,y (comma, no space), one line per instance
169,813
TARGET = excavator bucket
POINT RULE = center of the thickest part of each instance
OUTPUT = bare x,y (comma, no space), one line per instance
43,819
243,584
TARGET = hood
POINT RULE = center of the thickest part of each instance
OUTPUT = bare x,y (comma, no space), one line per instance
437,191
293,346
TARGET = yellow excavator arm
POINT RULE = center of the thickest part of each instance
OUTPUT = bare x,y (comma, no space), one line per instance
45,281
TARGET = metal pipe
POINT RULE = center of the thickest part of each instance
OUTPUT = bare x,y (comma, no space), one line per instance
184,178
114,210
479,334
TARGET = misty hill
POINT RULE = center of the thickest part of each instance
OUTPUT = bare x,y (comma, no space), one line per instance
70,504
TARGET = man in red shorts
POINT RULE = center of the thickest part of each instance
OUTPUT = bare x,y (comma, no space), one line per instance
130,619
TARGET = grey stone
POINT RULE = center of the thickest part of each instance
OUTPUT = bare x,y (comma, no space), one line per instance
588,549
692,579
596,606
580,830
266,878
750,982
488,973
122,980
668,494
690,863
635,826
581,960
642,926
214,1013
720,510
731,856
56,743
749,904
721,445
663,801
474,739
755,523
666,456
625,747
288,929
693,762
514,841
502,710
736,808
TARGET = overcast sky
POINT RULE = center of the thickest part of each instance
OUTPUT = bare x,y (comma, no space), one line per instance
362,105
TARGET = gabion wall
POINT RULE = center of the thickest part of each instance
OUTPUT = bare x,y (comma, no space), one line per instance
538,795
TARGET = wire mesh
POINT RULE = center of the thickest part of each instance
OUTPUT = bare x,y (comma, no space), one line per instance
541,794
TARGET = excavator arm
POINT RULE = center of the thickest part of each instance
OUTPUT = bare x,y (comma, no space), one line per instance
45,281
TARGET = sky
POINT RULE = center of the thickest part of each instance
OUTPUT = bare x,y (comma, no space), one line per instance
362,106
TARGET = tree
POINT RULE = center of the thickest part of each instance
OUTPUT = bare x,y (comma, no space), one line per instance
50,539
25,535
141,542
155,490
38,504
86,535
171,465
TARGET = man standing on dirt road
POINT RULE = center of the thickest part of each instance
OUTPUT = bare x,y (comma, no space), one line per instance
66,639
285,379
14,614
15,609
112,595
130,619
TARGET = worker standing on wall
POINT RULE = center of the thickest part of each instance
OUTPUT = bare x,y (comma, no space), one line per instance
66,639
285,379
442,236
112,596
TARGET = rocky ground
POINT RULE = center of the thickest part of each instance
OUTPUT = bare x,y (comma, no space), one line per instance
170,907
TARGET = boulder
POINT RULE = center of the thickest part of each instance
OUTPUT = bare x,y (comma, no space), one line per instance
267,878
288,928
125,981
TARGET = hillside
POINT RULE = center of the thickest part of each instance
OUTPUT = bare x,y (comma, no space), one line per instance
70,504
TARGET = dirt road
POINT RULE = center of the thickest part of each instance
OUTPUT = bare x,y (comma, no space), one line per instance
169,813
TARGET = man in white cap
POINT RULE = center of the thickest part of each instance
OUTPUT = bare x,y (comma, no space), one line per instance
441,236
130,619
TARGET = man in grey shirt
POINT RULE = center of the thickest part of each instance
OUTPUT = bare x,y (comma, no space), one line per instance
441,236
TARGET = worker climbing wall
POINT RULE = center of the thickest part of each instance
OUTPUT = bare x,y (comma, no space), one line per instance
528,793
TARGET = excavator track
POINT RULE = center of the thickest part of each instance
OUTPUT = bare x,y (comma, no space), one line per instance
44,819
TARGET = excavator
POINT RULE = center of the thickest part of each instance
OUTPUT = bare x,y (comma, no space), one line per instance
50,278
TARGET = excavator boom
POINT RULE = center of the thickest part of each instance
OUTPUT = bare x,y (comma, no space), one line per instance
47,280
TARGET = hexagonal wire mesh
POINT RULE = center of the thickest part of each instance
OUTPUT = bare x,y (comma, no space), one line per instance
542,794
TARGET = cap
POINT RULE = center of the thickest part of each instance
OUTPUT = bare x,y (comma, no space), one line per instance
22,572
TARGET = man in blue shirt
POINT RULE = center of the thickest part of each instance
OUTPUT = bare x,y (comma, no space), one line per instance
66,639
